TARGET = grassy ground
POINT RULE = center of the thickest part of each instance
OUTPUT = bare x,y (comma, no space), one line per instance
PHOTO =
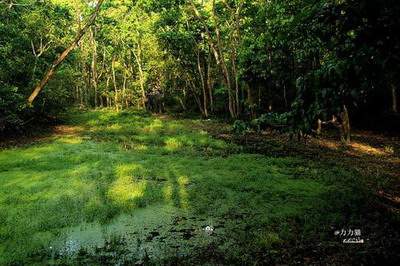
129,187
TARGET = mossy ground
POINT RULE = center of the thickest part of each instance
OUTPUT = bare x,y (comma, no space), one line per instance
133,187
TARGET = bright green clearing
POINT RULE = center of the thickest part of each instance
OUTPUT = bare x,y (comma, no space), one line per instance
132,187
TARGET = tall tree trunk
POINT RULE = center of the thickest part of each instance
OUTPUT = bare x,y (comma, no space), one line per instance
107,92
210,83
80,96
64,54
196,97
237,101
284,95
394,99
94,65
124,91
138,57
115,84
217,51
203,84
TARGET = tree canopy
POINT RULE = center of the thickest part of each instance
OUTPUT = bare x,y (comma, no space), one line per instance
309,60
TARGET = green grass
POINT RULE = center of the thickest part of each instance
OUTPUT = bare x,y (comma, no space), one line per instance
149,185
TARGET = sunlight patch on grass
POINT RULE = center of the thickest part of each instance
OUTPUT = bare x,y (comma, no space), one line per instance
172,144
155,126
183,181
70,140
127,188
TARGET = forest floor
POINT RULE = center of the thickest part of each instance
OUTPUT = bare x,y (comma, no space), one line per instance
130,187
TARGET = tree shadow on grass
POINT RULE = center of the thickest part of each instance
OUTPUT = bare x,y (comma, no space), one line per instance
39,200
154,199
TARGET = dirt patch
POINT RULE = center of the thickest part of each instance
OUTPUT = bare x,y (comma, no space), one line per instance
62,130
37,137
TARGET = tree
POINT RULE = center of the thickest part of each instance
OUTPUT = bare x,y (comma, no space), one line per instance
49,74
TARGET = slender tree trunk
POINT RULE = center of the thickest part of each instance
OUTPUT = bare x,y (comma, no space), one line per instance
319,127
34,69
80,96
217,51
203,85
394,99
107,92
138,57
94,65
101,101
64,54
237,101
285,96
227,77
210,83
196,97
345,127
124,90
115,84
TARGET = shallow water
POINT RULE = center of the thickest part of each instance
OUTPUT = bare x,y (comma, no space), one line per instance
155,233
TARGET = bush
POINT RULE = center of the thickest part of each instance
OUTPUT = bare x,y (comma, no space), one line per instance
12,109
271,120
240,127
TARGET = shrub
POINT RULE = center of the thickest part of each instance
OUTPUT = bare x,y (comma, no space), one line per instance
240,127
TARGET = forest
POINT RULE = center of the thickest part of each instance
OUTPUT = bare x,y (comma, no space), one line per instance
199,132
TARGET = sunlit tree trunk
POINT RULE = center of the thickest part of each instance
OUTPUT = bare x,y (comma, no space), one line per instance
345,125
115,84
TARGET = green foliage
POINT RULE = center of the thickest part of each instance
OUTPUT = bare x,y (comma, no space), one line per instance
240,58
11,108
271,120
31,38
240,127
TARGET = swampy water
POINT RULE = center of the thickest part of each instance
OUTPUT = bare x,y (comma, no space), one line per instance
158,234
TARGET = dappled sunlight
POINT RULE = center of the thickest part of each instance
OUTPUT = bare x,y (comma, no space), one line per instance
127,187
168,191
70,140
155,134
65,130
367,149
356,148
172,144
115,127
155,126
136,147
330,144
183,181
267,239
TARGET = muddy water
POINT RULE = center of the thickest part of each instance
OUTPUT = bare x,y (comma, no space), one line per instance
157,234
